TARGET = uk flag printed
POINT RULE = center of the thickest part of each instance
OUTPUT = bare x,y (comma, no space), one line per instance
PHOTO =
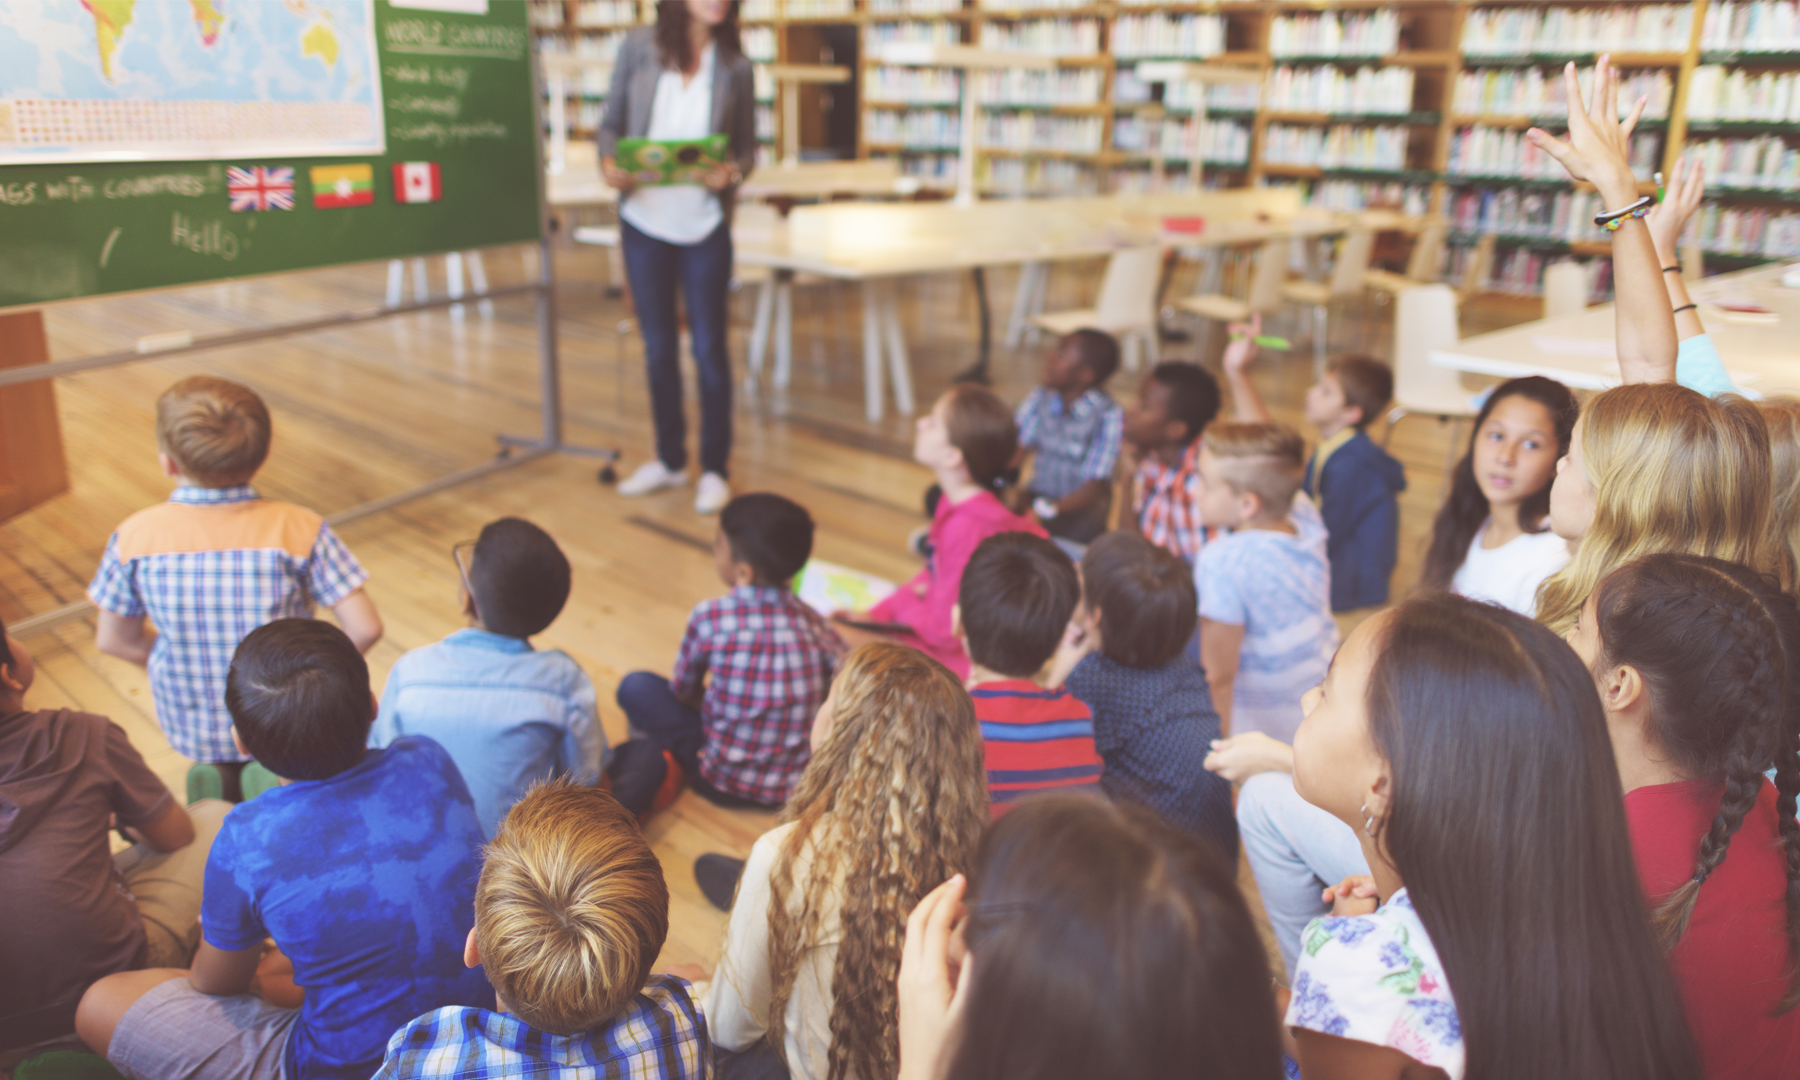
260,188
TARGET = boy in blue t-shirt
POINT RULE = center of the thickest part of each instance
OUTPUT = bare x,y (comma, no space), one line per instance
361,866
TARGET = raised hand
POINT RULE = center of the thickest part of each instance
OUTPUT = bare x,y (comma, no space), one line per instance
1681,201
1242,348
1597,148
933,982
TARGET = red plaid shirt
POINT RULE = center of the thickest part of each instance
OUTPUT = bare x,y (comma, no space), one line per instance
1166,500
770,658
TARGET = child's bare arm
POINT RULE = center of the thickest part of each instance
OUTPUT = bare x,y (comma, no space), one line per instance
357,616
1221,646
1686,190
127,639
1248,404
1083,497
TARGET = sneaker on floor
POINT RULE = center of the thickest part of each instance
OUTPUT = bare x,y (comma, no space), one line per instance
717,876
712,494
651,476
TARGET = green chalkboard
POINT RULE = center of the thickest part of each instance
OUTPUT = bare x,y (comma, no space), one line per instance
457,93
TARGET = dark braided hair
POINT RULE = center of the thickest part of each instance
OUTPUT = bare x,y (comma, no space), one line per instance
1718,646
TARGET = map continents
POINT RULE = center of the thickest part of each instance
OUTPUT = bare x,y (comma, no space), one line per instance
111,80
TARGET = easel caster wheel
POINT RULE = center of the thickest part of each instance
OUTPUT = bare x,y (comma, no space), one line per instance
608,474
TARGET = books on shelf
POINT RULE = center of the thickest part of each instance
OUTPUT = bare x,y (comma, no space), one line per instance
1719,93
1130,90
1541,92
1040,131
1056,37
1520,271
1331,89
1751,26
1037,176
759,43
1560,31
1345,194
913,7
1341,146
1736,230
602,13
1512,212
1168,36
1374,33
1224,142
546,15
763,80
765,122
1765,162
1058,86
764,10
912,85
1008,6
1480,150
913,33
929,166
935,129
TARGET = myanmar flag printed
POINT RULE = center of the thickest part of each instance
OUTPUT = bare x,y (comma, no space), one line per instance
417,182
342,185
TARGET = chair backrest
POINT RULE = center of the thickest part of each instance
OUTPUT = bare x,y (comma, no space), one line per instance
1565,288
1424,319
1128,289
1428,248
1270,272
1477,270
1352,261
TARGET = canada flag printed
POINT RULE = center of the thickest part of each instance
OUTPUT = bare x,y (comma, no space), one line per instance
417,182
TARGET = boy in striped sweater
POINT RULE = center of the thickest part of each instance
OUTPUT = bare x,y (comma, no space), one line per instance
1017,595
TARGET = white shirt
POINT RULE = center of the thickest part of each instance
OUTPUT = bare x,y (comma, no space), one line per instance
1510,574
678,213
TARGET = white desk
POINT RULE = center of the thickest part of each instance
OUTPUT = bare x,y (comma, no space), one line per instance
1762,353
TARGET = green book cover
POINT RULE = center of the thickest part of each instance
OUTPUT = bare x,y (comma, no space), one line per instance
671,161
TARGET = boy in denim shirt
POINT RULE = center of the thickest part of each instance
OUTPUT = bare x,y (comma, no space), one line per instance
1073,427
509,714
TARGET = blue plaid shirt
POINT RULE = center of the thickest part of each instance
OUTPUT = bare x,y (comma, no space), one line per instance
1074,443
209,566
661,1036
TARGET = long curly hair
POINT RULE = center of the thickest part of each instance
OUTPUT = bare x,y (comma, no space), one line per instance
1718,646
1466,508
893,803
1673,471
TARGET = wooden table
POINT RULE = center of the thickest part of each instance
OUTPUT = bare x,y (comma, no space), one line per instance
1761,352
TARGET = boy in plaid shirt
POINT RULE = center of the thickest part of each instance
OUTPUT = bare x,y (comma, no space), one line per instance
570,912
1072,427
212,564
1163,429
755,664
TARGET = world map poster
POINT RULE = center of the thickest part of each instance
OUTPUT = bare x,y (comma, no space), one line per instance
174,80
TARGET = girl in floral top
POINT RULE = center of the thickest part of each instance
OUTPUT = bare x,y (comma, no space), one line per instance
1466,747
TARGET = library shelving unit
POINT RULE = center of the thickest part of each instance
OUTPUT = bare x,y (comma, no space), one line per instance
1420,104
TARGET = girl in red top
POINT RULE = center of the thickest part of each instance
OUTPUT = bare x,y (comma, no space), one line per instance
1698,665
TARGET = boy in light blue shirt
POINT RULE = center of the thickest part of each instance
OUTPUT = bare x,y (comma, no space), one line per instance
509,715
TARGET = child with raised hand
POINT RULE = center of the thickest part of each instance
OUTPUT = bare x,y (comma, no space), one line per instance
1125,656
570,913
1072,428
1698,666
1492,539
1465,746
969,440
1174,404
1088,940
893,802
510,715
1266,631
361,866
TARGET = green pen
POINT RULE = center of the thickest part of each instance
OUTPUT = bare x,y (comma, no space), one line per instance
1267,342
1659,187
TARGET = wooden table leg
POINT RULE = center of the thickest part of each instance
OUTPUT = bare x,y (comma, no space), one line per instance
899,363
871,305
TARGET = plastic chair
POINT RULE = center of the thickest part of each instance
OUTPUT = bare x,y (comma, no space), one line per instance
1126,306
1346,280
1425,319
1264,295
1566,285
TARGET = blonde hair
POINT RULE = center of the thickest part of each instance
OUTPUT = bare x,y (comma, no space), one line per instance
217,431
892,804
1673,471
1783,417
1265,460
571,909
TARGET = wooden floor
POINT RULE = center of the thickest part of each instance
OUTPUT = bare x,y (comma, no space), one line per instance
364,411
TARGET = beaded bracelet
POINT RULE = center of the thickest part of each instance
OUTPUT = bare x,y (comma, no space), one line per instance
1611,220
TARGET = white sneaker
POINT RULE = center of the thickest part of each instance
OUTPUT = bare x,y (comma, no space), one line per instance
650,476
712,494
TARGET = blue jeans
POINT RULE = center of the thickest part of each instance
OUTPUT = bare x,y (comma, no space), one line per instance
661,721
656,268
1295,849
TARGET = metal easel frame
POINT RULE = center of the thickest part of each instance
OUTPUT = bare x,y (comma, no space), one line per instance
514,449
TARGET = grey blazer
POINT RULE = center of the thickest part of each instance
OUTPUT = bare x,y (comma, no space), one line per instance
634,91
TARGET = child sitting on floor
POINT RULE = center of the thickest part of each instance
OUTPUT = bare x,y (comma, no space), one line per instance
212,564
1072,427
361,866
968,439
1174,405
508,714
1266,632
570,913
732,718
1355,483
1016,600
1126,656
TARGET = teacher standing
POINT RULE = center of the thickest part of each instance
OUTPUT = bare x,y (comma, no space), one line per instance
684,78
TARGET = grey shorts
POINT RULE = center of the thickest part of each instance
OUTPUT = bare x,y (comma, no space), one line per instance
177,1033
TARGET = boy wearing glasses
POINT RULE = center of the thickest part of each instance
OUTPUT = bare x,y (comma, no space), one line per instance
509,715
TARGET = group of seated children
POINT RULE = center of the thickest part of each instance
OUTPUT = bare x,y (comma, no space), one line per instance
1536,820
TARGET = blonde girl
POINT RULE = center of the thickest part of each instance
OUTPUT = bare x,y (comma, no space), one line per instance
893,802
1783,417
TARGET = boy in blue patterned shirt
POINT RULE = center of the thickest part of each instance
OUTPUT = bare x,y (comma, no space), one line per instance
1073,427
570,913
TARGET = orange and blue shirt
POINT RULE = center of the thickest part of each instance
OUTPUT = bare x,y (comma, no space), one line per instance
1034,740
209,566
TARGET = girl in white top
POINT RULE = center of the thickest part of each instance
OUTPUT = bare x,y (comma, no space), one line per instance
893,802
1491,540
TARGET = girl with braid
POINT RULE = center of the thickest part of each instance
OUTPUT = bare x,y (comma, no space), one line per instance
892,803
1698,666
